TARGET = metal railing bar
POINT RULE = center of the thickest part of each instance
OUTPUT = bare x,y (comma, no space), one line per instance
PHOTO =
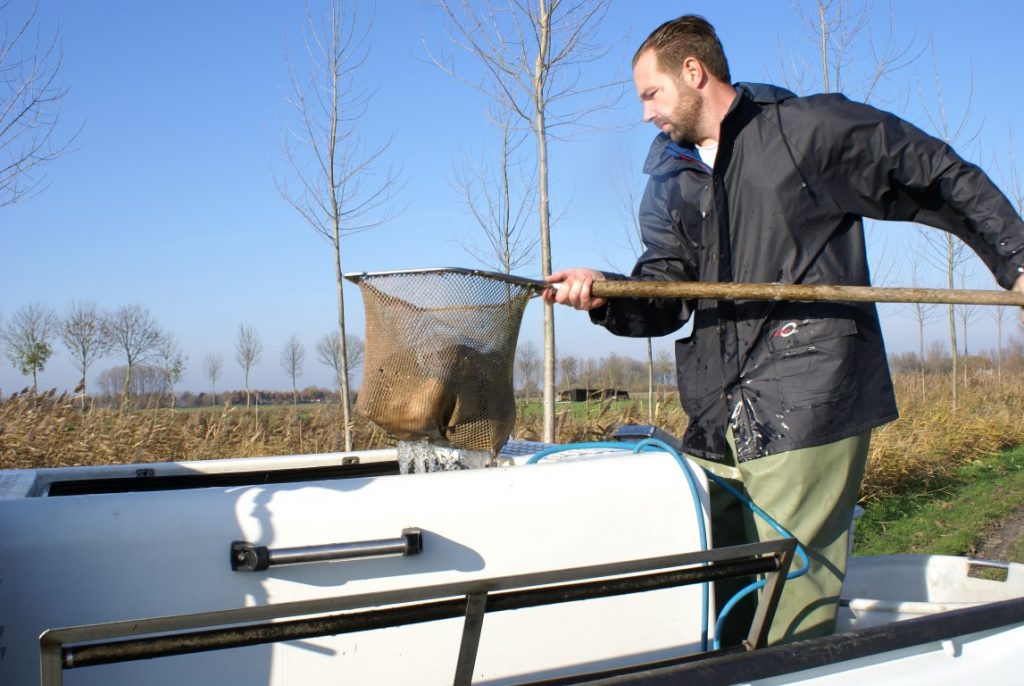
183,643
53,656
757,637
407,595
476,607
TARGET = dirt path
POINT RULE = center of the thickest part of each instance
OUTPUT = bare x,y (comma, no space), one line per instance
1000,540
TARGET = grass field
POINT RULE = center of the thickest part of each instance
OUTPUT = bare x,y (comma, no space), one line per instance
927,445
948,515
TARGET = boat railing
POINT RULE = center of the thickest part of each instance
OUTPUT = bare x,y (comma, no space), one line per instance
125,641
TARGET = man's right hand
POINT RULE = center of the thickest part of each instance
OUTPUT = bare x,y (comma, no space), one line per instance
572,287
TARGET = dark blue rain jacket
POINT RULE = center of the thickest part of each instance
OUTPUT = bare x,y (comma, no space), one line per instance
784,203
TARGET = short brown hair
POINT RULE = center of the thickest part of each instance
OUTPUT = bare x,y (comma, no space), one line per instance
687,36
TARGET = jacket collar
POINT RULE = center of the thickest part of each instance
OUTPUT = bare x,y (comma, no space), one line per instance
666,157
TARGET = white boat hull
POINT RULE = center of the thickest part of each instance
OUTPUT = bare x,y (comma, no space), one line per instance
86,559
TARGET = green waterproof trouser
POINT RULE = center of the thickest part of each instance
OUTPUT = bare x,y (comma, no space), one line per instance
810,492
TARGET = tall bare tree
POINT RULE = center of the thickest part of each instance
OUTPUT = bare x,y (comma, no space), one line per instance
849,54
30,105
844,51
213,364
147,381
172,362
531,53
527,364
944,250
664,368
248,350
921,312
499,196
329,353
131,331
82,334
967,314
1016,189
999,315
335,183
633,243
26,339
293,359
569,368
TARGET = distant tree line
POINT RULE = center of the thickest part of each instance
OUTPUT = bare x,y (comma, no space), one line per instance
613,371
151,359
149,388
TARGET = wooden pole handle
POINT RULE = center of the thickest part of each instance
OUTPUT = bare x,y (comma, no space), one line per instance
801,292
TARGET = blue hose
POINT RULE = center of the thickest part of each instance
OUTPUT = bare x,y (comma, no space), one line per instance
659,445
551,450
647,444
750,588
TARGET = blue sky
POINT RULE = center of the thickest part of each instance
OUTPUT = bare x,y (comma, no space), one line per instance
168,199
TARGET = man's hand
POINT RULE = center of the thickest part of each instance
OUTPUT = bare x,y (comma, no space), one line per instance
572,287
1018,287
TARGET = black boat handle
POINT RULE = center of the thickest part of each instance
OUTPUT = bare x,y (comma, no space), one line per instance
246,557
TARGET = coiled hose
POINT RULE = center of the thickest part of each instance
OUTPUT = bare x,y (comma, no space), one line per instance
654,444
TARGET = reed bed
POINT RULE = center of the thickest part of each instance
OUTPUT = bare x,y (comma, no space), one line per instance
928,443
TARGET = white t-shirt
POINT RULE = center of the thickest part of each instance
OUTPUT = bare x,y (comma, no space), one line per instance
707,154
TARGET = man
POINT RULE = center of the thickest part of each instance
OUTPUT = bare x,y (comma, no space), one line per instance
750,183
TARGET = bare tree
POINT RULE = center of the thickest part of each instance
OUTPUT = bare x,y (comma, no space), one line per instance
532,54
30,106
527,364
248,350
26,339
1016,189
293,358
331,167
613,367
213,363
664,367
844,52
147,381
633,243
329,353
499,197
131,331
921,312
82,334
998,315
590,369
172,362
945,250
968,314
847,56
569,368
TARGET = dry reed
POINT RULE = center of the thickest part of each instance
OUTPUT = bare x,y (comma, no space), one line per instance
928,442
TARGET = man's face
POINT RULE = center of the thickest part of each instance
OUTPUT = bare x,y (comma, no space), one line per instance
668,103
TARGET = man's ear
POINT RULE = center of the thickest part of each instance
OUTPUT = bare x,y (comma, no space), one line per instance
692,72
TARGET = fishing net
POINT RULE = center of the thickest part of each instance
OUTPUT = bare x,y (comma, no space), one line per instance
439,354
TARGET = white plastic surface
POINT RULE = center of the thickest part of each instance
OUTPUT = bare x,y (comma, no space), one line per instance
84,559
991,657
891,588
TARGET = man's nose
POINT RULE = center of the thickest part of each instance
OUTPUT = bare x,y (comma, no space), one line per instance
649,112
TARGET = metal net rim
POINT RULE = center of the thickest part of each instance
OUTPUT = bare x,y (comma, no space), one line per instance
534,285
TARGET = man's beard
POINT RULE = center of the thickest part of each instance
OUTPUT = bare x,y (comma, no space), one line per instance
684,121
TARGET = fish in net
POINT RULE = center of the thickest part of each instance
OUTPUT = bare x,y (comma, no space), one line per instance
439,354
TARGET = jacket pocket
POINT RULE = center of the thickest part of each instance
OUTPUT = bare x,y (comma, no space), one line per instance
699,389
814,361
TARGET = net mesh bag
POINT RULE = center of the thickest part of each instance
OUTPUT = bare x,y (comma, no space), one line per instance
439,354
